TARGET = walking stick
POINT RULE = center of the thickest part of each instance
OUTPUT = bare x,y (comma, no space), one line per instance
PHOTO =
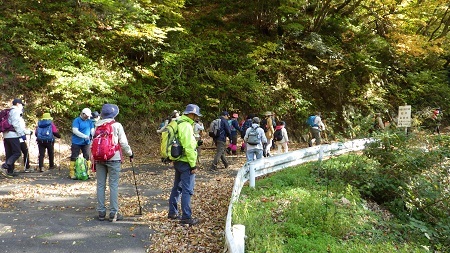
59,156
28,154
137,192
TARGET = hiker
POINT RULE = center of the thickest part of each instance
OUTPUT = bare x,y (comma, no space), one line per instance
111,167
174,116
274,124
224,132
82,131
245,125
316,126
255,139
283,143
378,122
11,139
95,117
24,146
436,117
234,128
267,125
198,128
46,132
185,168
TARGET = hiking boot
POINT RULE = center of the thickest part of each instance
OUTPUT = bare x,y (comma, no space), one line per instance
229,151
28,170
191,221
51,168
115,217
5,172
101,216
13,174
41,169
173,217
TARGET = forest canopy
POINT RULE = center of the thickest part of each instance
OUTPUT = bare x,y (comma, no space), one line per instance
345,58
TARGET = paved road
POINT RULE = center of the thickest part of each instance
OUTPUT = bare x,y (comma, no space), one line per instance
51,222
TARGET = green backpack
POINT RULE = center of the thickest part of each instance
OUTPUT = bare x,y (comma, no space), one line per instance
81,169
171,149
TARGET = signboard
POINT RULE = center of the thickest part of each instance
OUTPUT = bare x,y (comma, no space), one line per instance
404,116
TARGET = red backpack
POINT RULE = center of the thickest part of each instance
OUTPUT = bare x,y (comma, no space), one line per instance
103,147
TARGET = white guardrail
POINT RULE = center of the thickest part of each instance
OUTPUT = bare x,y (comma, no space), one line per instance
235,235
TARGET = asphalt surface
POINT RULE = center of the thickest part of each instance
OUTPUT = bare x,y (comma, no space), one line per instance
54,222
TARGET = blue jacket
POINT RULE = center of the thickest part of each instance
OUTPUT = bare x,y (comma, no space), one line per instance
234,126
224,130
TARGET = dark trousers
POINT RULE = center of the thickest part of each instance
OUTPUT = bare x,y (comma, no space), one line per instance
12,152
49,147
220,154
26,158
75,149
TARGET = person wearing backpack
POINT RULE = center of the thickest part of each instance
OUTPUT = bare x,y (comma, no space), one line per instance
267,123
234,128
315,127
255,139
281,136
11,138
82,130
221,140
111,167
174,116
45,133
247,123
185,169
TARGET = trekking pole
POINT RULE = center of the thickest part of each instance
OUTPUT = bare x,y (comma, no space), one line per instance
28,154
137,191
59,156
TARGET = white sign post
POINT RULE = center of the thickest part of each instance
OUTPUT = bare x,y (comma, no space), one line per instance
404,117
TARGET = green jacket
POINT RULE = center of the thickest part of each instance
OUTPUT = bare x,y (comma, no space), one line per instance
187,141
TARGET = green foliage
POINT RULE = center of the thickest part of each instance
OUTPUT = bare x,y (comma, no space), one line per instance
290,212
291,57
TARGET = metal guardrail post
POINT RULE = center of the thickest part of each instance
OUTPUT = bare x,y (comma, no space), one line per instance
320,153
239,237
251,168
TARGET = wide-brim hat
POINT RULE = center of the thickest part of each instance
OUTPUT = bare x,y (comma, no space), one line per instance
46,116
191,108
268,113
109,111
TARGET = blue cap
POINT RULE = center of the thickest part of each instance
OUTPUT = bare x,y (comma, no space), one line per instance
191,108
225,113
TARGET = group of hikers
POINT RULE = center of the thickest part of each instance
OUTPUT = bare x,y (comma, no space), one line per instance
88,132
258,135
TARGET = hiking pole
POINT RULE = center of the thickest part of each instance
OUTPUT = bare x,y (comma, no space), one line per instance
59,155
137,191
28,154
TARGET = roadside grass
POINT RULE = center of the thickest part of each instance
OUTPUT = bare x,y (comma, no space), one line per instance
296,210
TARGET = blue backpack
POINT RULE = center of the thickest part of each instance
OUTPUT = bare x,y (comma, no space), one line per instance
44,131
310,121
247,124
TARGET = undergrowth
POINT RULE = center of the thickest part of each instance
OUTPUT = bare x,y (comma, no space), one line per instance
393,198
